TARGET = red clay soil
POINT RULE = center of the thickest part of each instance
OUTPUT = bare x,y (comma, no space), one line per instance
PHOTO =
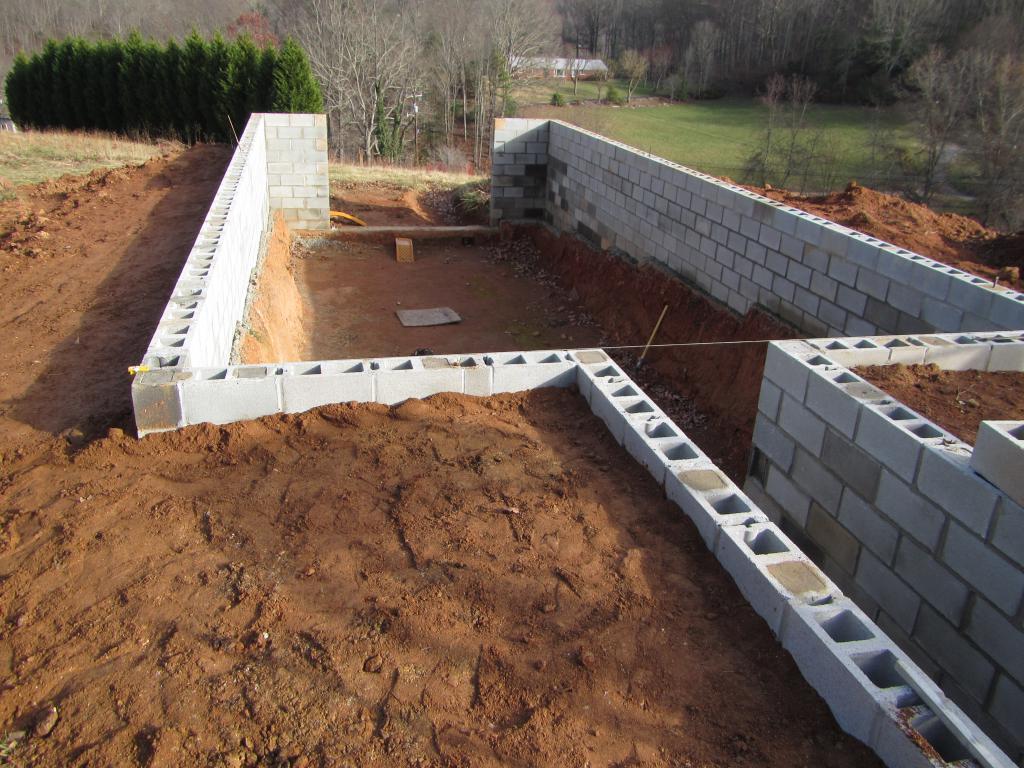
626,299
958,401
950,238
86,266
448,582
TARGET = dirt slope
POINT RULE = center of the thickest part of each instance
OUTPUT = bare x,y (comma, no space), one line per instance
86,266
947,237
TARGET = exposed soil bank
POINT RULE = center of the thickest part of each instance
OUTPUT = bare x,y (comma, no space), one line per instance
956,400
950,238
275,329
447,582
626,299
87,266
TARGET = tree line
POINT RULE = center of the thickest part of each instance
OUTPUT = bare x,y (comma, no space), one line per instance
199,89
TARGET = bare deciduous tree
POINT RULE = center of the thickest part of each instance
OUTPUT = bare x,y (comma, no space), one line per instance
634,68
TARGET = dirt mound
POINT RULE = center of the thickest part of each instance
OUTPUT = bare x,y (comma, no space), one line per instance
947,237
956,400
448,582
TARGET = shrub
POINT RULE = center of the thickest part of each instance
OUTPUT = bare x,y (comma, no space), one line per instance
614,96
193,90
557,99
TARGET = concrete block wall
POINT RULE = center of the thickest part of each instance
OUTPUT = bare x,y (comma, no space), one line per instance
889,504
519,160
747,250
297,169
198,324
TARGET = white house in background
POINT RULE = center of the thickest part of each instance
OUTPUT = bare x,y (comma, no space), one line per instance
560,67
6,123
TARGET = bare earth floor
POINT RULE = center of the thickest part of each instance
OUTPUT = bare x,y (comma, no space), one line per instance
449,582
353,289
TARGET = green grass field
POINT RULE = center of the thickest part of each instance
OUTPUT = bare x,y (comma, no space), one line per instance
718,136
35,156
531,92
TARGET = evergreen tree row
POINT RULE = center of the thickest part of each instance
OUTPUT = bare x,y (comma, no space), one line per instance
193,90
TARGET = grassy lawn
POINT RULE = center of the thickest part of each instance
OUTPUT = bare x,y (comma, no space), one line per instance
35,156
529,92
718,136
398,177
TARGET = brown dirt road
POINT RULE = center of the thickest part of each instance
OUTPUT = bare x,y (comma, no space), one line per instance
445,583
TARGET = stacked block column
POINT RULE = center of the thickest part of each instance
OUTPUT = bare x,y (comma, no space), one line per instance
297,169
519,161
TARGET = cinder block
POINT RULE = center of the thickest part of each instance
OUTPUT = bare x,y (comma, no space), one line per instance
947,479
653,439
890,592
773,442
310,385
820,484
397,379
998,637
847,660
911,512
898,448
806,428
999,456
934,582
856,467
1008,534
984,568
838,543
1008,705
827,398
956,353
793,501
871,529
954,653
520,371
770,571
156,400
221,396
709,499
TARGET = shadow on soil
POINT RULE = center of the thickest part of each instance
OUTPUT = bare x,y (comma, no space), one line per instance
85,383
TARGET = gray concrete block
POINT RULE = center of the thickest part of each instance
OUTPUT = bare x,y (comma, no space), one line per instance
1008,533
954,653
999,456
841,546
794,502
806,428
310,385
999,638
984,568
935,583
911,512
831,402
773,442
820,484
871,529
888,590
1008,705
947,479
880,436
857,468
227,395
769,570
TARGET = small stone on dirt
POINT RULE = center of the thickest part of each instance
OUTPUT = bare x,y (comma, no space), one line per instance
374,663
46,721
587,658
